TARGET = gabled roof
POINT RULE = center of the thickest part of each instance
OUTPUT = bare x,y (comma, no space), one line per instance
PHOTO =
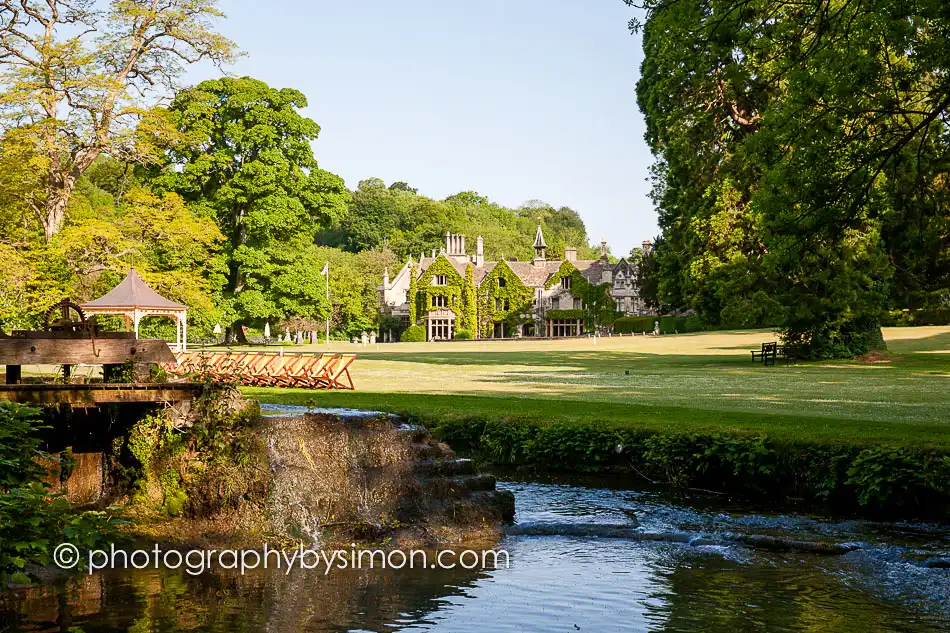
133,293
532,275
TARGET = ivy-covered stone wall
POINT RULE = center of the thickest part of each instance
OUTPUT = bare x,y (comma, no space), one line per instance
503,298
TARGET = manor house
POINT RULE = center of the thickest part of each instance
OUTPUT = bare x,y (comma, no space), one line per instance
451,290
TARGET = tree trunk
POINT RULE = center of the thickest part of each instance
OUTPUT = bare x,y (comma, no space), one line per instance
57,199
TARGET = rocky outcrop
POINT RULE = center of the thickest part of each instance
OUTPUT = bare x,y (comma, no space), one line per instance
339,479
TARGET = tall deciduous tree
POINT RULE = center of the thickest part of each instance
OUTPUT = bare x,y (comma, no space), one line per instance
78,76
795,141
246,159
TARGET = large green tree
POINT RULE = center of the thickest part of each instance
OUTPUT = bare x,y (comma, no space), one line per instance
795,143
79,75
246,159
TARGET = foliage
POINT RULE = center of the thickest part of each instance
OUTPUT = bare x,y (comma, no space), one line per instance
245,158
634,324
503,298
753,465
19,446
413,291
463,335
469,301
597,303
679,325
33,521
452,290
78,90
888,476
566,314
414,334
397,218
933,316
782,167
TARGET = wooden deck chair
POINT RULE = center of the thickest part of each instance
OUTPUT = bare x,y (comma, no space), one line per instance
216,366
313,377
208,365
304,374
336,370
288,372
231,372
245,372
258,374
275,370
296,373
173,368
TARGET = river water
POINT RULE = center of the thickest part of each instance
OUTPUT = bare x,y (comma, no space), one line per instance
691,573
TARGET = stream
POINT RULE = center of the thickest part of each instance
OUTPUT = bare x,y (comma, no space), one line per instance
695,565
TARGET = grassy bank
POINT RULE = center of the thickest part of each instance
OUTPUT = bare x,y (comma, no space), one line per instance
690,410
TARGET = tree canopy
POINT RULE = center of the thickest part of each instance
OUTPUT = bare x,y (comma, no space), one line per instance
77,78
243,156
801,162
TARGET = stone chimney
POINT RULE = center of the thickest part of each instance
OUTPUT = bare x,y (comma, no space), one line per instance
479,252
570,254
647,247
603,249
386,278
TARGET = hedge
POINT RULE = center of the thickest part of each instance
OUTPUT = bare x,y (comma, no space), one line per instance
463,335
679,325
870,479
414,334
634,324
931,316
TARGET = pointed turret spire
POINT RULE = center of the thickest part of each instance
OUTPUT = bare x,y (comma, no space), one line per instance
539,244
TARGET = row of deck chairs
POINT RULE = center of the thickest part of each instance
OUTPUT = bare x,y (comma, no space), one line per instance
266,369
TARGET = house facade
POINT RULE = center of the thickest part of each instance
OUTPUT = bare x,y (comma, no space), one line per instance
451,289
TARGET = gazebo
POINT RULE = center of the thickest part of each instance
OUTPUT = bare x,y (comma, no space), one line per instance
133,299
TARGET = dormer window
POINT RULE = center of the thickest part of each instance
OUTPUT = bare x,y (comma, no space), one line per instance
501,282
440,280
565,283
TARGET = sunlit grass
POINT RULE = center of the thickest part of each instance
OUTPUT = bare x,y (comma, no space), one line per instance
689,381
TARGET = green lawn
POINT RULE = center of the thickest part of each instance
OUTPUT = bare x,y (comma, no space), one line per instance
686,382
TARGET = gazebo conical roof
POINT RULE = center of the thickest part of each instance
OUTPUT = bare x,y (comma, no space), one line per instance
133,293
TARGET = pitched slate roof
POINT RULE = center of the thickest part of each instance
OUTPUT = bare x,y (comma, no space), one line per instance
133,293
534,276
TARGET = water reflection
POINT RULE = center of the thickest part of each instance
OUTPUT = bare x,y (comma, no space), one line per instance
555,583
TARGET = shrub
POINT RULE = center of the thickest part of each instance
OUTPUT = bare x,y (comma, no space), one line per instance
634,324
934,316
414,334
463,335
872,480
33,521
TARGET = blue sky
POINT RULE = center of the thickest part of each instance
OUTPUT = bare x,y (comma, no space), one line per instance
515,99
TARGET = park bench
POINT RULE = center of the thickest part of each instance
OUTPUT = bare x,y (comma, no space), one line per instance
769,353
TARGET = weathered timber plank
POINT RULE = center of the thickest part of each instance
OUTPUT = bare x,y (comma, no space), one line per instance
91,395
83,351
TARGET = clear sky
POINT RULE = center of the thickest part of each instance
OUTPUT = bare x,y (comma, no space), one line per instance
514,99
